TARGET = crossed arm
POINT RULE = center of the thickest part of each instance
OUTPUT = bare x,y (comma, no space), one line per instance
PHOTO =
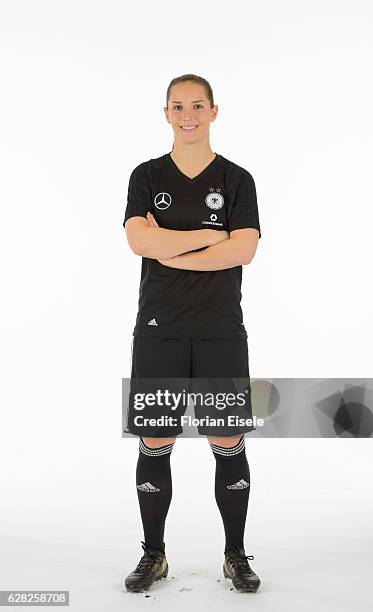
177,249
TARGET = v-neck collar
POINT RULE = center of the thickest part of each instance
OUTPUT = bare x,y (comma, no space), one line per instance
188,179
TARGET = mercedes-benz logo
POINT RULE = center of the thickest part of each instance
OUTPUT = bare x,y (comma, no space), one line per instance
162,200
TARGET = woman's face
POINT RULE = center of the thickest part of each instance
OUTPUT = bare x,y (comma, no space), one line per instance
189,106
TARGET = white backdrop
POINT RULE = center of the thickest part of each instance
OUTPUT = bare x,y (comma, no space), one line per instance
83,86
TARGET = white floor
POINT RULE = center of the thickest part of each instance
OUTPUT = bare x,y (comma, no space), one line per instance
309,527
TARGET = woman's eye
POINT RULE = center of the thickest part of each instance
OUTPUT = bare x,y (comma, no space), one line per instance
179,106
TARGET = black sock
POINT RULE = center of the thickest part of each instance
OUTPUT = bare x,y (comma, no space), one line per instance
154,491
232,489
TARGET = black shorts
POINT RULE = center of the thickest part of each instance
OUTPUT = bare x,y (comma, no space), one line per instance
217,360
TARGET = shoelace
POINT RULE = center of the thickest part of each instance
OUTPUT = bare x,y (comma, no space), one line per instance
239,560
147,559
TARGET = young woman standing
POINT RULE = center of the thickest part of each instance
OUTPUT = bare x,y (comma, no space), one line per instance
192,216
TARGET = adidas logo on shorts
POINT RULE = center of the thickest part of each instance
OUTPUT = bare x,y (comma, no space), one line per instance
152,322
147,487
241,484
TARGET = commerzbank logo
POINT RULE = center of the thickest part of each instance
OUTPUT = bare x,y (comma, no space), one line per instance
213,221
162,200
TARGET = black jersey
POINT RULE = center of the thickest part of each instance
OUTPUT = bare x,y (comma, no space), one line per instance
190,303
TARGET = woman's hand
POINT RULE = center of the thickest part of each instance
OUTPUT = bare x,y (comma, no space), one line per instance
218,236
151,220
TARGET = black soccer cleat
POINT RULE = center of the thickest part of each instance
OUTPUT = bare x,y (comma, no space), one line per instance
236,567
152,566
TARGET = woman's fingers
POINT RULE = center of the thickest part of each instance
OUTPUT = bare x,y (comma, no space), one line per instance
152,220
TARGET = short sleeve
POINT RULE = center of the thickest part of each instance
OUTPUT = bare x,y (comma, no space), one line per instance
245,208
139,194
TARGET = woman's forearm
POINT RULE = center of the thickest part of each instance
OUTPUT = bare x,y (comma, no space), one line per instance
227,254
161,243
